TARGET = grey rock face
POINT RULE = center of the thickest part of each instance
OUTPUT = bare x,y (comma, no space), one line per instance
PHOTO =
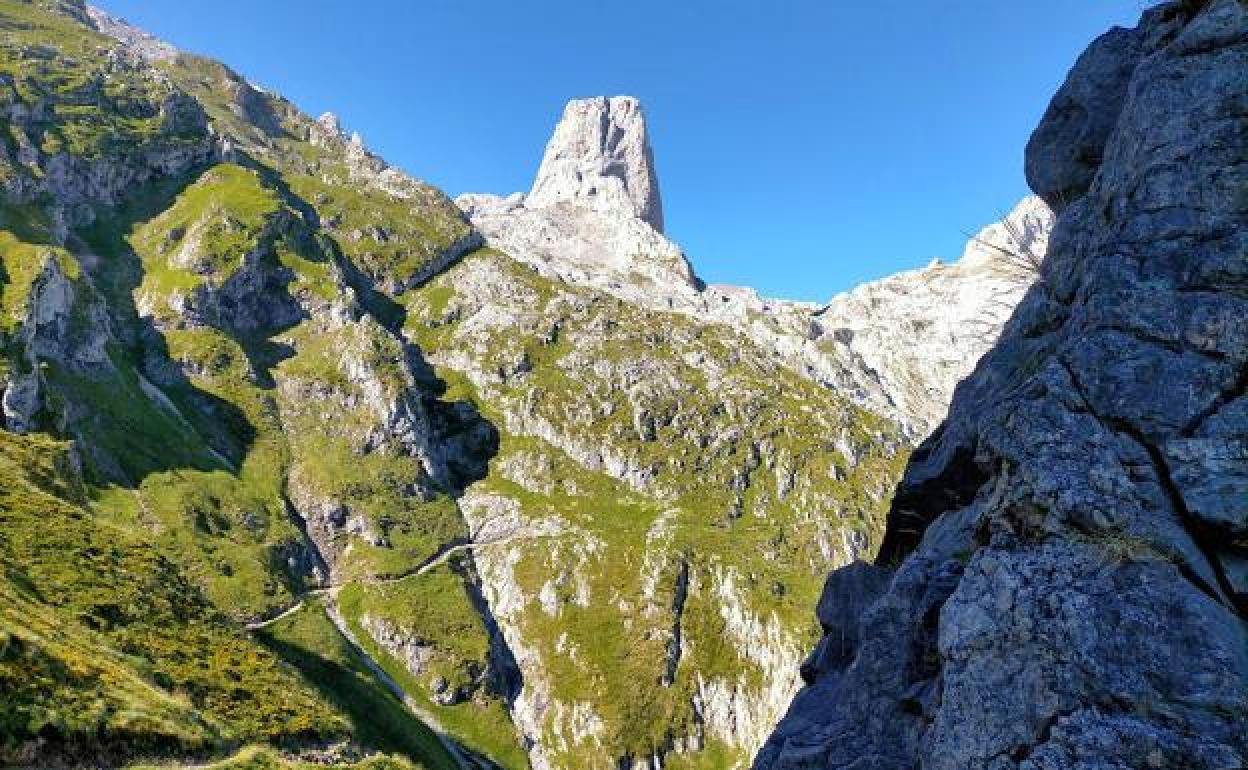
600,157
846,595
146,45
1072,592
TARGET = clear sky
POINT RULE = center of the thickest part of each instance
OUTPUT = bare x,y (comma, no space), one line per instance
803,146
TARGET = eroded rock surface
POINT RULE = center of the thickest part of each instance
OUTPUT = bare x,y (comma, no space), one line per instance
1072,593
600,157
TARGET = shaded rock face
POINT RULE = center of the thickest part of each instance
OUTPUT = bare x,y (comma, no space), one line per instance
600,157
1070,589
846,595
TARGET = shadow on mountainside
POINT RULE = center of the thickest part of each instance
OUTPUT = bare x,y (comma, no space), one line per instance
206,429
131,438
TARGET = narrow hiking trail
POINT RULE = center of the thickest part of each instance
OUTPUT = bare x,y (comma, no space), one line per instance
437,560
465,759
457,753
462,757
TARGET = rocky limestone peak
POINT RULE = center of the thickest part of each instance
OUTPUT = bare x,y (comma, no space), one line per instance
600,157
330,123
1022,237
143,43
593,216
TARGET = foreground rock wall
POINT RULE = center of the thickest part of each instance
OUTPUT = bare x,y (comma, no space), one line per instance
1075,536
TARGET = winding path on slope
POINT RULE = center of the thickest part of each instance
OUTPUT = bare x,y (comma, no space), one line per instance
438,559
465,759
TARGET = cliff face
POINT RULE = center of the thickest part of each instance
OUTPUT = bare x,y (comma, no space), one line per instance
1063,579
600,157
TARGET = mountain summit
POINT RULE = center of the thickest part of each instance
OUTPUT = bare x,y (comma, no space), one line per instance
593,216
600,157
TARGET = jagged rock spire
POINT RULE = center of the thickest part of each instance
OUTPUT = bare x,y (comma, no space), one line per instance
599,157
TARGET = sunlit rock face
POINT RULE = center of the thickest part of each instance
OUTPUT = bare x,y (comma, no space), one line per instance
600,158
1070,545
921,332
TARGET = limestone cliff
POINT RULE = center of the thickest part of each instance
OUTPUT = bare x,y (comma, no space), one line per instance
600,157
1063,583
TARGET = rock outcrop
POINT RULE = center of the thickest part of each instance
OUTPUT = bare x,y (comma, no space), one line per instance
1069,547
578,244
594,214
141,42
600,158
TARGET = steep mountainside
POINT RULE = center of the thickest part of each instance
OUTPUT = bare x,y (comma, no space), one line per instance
296,470
193,294
707,416
1064,581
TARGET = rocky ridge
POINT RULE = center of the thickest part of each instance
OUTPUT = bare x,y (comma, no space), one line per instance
1062,582
896,347
144,44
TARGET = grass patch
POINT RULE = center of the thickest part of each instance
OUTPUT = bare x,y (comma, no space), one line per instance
109,648
435,609
261,758
309,641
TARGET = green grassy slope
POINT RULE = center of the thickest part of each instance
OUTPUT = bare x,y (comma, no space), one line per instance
661,449
109,649
131,558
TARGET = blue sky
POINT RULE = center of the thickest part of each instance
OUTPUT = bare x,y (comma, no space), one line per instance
803,146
